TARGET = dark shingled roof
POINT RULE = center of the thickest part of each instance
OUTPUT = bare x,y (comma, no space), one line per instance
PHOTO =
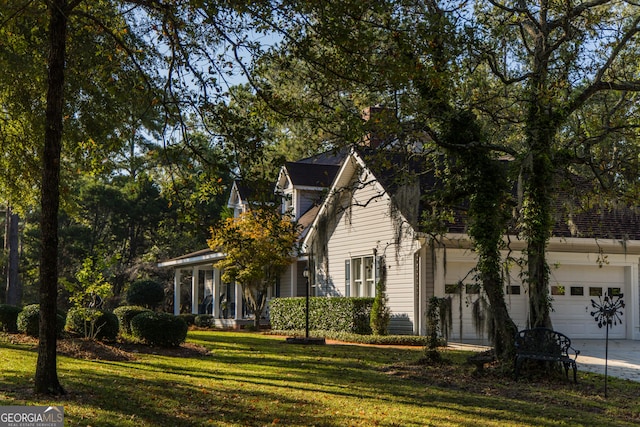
621,223
327,158
244,191
310,174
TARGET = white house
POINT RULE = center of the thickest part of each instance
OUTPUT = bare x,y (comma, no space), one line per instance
359,226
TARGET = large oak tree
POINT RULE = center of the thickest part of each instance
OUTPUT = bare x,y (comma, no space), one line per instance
162,55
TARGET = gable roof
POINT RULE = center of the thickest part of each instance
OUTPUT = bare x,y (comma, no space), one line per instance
313,172
352,161
239,194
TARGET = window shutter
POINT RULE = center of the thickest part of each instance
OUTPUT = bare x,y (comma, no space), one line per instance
347,278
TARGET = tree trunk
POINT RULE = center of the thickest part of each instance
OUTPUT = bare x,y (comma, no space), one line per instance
256,297
483,181
537,209
538,269
540,129
14,287
46,378
504,327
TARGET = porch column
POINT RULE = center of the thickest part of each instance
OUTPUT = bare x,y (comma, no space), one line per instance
208,288
439,272
176,291
216,294
194,290
239,302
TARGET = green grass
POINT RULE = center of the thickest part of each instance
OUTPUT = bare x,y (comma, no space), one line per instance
250,379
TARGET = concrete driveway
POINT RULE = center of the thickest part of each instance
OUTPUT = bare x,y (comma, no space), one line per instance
624,357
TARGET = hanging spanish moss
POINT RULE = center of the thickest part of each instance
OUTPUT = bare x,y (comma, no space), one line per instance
446,317
479,315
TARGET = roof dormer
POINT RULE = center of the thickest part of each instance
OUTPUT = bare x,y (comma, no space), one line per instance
237,199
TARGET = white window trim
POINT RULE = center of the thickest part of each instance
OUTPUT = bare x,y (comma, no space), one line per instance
362,287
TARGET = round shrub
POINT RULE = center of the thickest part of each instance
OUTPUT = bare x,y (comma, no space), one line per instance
161,329
189,318
29,321
127,312
204,320
9,318
105,323
146,293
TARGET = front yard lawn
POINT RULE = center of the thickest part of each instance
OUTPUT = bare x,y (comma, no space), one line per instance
250,379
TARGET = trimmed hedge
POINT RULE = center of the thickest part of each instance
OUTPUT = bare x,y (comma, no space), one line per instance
29,321
406,340
106,326
125,313
146,293
338,314
9,318
189,318
161,329
204,320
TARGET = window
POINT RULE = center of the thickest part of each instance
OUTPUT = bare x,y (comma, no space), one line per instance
369,275
577,291
358,286
595,292
287,203
557,290
513,290
472,289
614,292
452,289
360,277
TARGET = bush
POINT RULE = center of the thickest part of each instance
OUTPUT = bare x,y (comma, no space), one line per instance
93,323
146,293
29,321
9,318
127,312
189,318
161,329
330,314
204,320
380,313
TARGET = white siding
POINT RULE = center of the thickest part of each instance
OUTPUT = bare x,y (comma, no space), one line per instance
361,230
286,280
306,199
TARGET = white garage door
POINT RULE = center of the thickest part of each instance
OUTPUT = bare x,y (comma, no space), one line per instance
573,288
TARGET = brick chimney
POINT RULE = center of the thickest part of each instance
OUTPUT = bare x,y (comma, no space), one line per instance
379,125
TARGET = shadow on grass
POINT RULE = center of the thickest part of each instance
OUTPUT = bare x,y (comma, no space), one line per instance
251,379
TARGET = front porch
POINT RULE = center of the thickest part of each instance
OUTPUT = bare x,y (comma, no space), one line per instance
198,289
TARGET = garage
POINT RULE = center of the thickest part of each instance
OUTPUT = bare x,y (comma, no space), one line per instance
573,287
575,280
